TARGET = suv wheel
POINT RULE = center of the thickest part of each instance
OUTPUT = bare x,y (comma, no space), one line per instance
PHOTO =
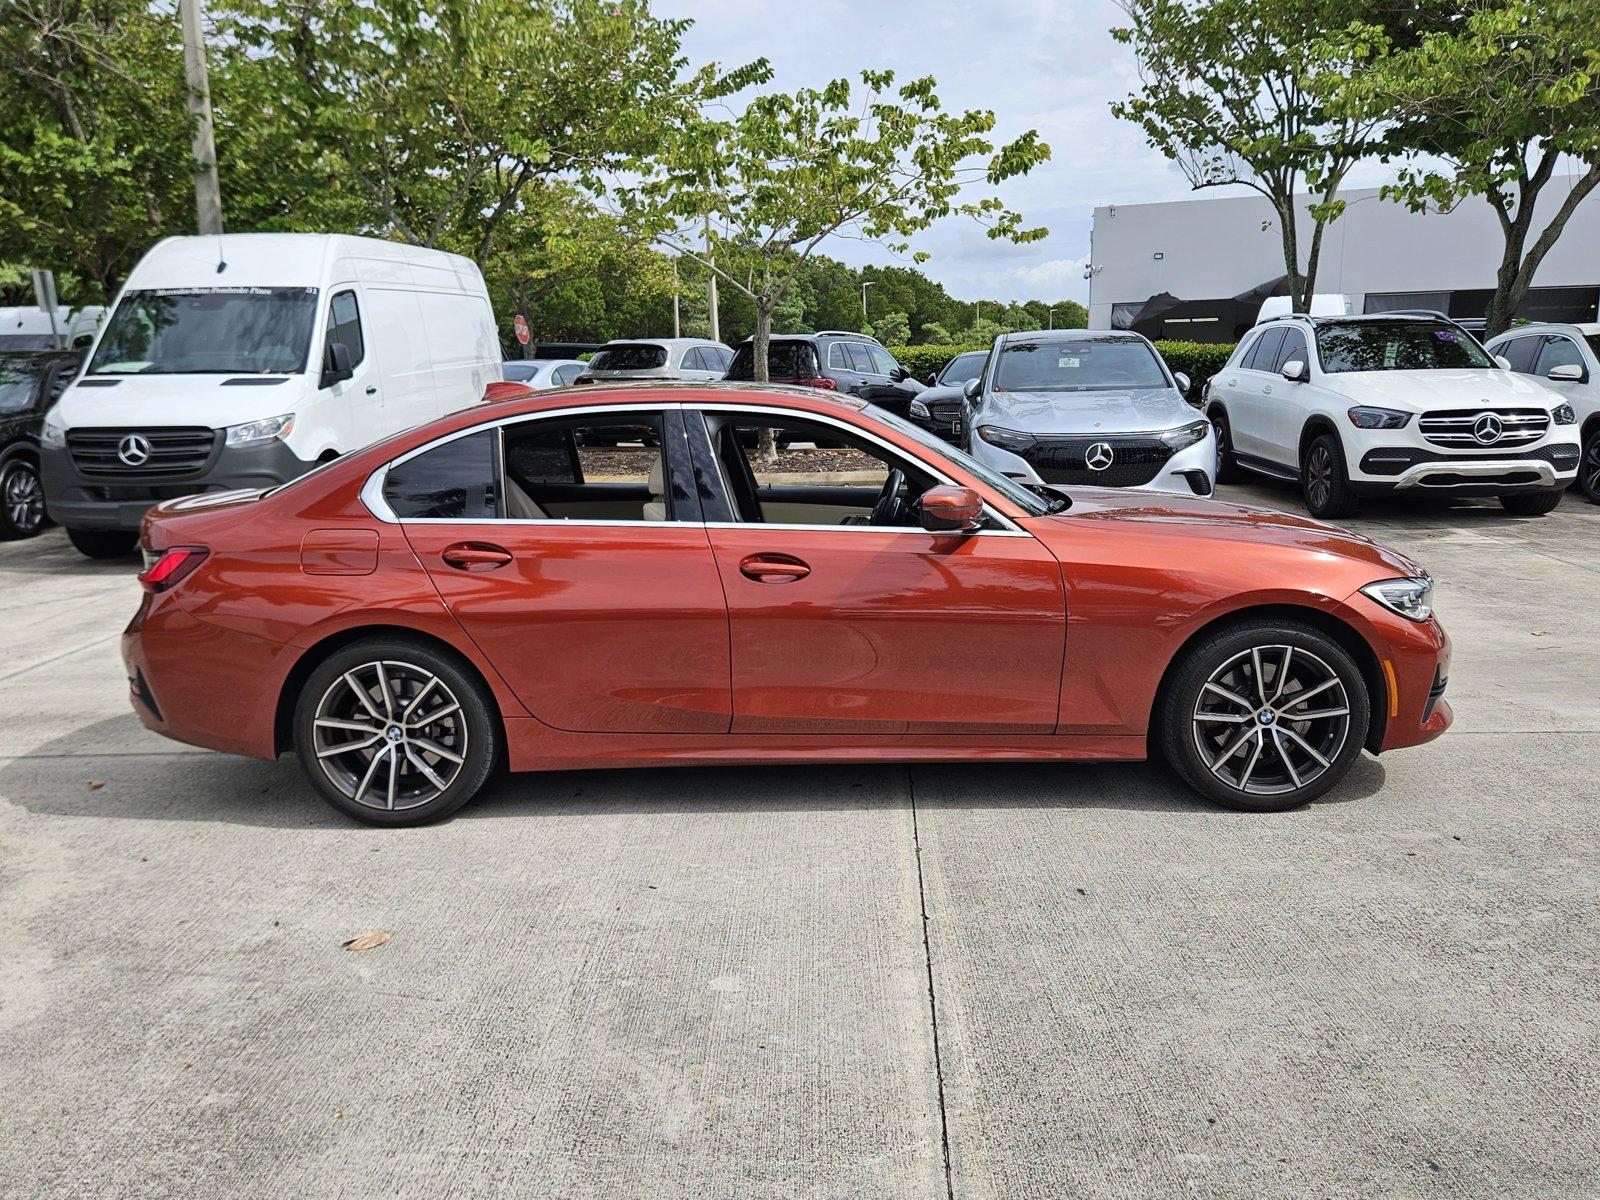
21,500
1228,470
1589,468
103,543
1530,504
1264,716
1324,481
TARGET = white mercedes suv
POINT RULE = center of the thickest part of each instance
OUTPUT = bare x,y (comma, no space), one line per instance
1368,406
1567,359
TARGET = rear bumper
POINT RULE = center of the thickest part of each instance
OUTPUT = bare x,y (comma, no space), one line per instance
78,501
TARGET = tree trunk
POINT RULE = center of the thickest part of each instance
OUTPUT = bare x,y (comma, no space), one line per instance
1519,262
1298,300
767,447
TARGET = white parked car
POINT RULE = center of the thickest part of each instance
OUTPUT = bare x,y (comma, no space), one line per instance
1565,359
1086,407
1369,406
541,374
243,361
658,358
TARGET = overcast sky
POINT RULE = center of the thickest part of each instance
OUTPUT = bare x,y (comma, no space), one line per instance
1049,65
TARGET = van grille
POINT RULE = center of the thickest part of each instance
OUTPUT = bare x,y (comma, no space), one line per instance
1485,428
173,452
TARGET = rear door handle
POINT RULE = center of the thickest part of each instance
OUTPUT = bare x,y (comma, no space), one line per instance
476,556
773,568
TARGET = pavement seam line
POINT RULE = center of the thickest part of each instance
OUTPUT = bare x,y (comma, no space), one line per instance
933,1000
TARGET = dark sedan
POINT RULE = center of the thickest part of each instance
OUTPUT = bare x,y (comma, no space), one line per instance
938,410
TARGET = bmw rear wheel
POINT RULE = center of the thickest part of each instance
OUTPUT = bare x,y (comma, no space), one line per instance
393,732
1265,716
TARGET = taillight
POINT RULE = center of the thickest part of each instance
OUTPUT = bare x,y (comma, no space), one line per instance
172,567
821,382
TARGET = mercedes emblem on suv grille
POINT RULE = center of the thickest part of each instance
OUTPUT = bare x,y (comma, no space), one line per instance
1099,456
1488,428
134,450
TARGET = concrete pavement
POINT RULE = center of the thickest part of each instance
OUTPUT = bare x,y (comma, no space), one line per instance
715,982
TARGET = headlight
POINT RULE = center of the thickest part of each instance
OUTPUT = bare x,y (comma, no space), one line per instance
1563,415
260,431
1186,435
53,433
919,409
1378,418
1408,597
1006,439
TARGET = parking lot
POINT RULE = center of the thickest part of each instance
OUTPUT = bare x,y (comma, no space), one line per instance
972,981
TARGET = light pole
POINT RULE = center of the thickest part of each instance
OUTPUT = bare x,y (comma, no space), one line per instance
207,194
864,286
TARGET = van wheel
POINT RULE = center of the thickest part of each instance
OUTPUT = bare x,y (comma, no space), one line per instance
394,732
21,500
1324,482
103,543
1530,504
1228,469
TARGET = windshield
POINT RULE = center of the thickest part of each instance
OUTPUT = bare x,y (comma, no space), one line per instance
19,376
629,358
1397,346
208,331
1030,502
1078,366
962,368
785,360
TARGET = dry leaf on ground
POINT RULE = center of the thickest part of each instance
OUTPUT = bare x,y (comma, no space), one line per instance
367,941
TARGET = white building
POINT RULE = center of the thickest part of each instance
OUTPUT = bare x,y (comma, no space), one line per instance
1210,255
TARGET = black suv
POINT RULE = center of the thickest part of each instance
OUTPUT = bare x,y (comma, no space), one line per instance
30,382
837,361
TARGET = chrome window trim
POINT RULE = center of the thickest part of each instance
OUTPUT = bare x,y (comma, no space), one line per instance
372,491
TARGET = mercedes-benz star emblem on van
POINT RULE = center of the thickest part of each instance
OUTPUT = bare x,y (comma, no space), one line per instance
1487,429
134,450
1099,456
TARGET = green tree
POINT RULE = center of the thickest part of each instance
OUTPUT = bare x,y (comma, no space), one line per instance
1500,92
892,329
1234,92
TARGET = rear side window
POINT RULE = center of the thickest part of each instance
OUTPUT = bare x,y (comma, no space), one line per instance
455,481
785,360
629,357
1265,352
344,325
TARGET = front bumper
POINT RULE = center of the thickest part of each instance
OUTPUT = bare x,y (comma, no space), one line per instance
1414,667
77,500
1388,469
1137,461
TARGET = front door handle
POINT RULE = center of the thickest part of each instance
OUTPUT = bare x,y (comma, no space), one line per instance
773,568
475,556
372,391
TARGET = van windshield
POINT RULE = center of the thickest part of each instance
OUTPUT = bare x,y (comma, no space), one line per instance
208,331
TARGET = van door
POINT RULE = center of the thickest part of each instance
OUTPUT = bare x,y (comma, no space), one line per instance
395,335
351,406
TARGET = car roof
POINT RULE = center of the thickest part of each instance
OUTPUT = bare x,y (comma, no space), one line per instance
1074,335
1581,328
820,333
668,342
1356,319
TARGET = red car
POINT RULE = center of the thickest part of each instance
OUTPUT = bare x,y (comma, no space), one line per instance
505,585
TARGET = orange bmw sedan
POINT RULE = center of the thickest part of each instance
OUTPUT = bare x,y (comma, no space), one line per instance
618,577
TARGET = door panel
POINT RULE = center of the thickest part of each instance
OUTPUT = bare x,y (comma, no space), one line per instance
597,629
891,631
1248,420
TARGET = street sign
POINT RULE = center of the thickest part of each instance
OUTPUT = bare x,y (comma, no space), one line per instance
521,326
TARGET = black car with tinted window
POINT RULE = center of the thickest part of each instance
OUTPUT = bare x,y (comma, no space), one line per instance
938,409
30,382
836,361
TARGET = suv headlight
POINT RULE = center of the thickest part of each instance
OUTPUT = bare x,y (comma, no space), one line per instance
919,409
1562,414
1186,435
1408,597
1363,417
1006,439
265,430
53,434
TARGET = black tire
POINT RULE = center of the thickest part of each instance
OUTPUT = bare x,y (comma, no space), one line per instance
1228,469
1530,504
1324,482
1315,656
21,500
103,543
1589,467
477,733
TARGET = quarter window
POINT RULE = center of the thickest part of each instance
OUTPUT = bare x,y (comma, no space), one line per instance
344,325
455,481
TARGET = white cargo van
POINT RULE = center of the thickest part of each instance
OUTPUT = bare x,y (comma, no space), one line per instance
242,361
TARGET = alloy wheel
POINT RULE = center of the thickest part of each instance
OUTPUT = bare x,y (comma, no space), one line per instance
1271,720
1319,476
390,735
1589,473
24,498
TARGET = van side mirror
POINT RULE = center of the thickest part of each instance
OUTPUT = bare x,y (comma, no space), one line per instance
1565,373
949,509
336,365
972,387
1294,371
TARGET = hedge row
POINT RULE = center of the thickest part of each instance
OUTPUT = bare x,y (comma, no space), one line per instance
1199,362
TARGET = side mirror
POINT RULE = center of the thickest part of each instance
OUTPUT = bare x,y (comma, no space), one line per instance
948,509
1565,373
1294,371
336,365
933,380
899,375
1501,361
972,387
1182,381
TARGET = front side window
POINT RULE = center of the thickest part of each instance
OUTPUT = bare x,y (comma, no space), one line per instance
1558,352
632,356
199,331
344,325
1084,365
1396,346
882,361
1030,502
1294,347
962,368
19,382
455,481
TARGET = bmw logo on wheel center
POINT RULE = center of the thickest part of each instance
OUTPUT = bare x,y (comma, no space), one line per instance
1099,456
134,450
